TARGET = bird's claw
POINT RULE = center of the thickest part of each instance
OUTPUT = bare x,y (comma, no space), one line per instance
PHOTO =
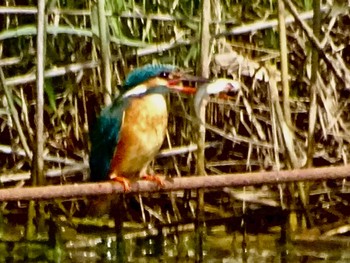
123,181
153,178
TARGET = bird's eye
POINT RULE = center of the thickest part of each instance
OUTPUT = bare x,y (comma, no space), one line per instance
164,75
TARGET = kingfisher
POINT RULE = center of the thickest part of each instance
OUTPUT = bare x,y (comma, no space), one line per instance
128,134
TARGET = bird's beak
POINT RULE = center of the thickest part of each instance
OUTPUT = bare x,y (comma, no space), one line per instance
179,81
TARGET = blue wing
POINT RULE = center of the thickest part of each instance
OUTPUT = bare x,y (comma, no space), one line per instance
104,136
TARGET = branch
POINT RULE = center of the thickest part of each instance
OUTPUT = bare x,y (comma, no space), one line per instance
175,184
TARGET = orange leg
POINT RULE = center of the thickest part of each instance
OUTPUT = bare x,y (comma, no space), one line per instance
153,178
122,180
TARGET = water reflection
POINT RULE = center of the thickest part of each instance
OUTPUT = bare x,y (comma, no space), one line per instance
173,245
260,234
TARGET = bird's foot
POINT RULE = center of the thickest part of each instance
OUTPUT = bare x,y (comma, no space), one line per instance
153,178
123,181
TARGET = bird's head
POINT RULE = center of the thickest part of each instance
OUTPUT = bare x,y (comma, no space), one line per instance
152,79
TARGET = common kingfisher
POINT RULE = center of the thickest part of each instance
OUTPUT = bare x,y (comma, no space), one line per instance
129,133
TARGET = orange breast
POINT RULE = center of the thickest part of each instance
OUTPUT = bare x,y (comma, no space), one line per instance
141,136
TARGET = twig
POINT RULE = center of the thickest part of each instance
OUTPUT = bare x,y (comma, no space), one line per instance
175,184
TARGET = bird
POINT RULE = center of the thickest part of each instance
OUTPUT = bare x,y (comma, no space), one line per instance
129,132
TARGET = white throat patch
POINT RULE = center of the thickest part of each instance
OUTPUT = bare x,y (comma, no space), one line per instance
137,90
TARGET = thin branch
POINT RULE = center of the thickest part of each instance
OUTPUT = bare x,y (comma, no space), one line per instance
175,184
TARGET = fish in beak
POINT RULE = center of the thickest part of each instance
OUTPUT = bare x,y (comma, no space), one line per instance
222,86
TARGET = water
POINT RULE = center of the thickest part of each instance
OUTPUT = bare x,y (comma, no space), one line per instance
171,244
153,232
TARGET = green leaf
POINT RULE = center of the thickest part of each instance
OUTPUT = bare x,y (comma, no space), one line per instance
50,93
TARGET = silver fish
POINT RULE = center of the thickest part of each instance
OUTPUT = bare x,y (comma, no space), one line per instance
221,85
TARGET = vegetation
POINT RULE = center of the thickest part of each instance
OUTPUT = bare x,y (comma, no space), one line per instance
285,117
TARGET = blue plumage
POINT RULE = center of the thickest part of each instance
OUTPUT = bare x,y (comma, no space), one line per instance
144,73
104,138
104,134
